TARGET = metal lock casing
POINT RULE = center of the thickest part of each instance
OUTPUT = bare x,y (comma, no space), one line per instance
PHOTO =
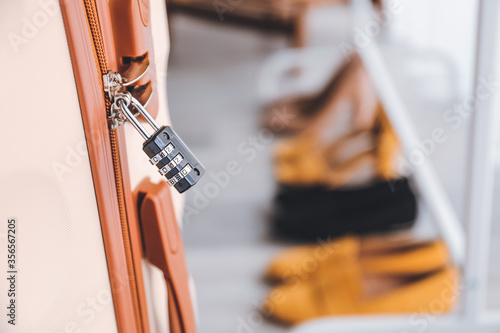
173,158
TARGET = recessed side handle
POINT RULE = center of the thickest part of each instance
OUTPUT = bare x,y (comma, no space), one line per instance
164,249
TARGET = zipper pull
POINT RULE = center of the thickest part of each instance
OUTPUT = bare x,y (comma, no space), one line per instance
164,147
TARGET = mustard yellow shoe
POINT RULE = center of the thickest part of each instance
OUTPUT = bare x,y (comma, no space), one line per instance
375,255
302,261
435,293
334,292
416,258
306,297
304,161
352,159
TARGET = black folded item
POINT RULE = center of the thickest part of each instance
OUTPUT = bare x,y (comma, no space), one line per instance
317,212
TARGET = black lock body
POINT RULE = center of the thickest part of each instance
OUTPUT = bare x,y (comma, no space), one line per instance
173,158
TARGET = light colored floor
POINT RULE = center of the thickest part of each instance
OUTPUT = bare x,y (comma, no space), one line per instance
212,82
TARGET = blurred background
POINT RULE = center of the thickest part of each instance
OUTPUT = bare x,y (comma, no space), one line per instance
341,126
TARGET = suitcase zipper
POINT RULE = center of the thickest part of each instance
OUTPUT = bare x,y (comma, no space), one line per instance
101,60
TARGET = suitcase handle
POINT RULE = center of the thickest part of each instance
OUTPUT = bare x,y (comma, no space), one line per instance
164,249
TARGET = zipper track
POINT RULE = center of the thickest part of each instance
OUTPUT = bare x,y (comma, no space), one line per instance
102,62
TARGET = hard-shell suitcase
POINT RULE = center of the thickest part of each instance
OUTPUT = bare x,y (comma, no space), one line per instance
89,232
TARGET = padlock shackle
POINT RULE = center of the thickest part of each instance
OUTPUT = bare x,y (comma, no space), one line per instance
144,113
128,114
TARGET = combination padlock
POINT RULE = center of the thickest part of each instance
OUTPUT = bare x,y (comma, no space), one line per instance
164,147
